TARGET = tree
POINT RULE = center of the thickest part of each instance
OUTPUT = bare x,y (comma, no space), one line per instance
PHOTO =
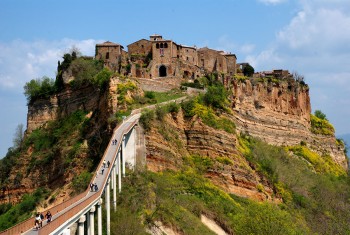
216,96
18,136
320,115
248,70
39,88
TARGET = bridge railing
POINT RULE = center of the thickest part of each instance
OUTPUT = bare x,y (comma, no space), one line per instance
61,219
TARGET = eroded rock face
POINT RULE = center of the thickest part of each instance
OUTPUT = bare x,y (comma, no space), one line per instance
280,115
174,138
26,176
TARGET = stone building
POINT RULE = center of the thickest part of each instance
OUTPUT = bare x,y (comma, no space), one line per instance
112,54
159,57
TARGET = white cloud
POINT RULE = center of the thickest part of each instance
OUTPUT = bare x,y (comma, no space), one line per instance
315,43
21,61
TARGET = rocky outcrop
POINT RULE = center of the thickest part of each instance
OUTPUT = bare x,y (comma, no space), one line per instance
31,171
279,114
171,140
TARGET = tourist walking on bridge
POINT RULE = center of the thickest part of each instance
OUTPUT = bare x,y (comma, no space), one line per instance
48,217
37,221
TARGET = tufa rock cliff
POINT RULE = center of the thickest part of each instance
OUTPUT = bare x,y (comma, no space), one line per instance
170,140
56,167
279,114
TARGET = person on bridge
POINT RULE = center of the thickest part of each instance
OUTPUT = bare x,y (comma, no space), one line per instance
42,217
108,163
48,217
103,169
37,221
96,188
104,165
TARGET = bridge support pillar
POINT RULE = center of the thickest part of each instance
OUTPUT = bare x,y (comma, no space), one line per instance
81,222
114,185
123,155
108,207
99,218
119,173
133,137
92,221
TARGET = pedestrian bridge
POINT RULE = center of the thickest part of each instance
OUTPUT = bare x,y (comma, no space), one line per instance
79,212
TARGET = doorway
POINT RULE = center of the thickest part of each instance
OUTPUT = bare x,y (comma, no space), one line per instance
162,71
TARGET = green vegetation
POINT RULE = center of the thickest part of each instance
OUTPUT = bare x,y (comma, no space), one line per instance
240,77
322,164
84,70
248,70
320,124
147,116
59,138
81,182
13,214
39,88
317,200
179,198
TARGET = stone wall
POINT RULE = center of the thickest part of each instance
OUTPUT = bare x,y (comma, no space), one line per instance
141,47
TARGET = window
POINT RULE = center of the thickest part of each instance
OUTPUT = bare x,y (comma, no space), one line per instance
165,45
161,45
157,45
107,55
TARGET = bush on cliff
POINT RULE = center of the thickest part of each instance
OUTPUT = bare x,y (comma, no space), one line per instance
321,126
39,88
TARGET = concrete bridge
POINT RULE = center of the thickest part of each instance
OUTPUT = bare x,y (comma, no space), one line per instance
79,212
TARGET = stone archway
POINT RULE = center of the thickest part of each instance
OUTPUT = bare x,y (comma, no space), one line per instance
162,71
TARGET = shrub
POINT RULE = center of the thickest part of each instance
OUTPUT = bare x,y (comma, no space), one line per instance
150,95
188,107
320,115
216,97
248,70
81,182
173,107
322,164
321,126
147,116
39,88
102,78
84,70
161,111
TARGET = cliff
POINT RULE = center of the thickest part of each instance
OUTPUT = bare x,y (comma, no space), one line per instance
53,157
279,114
172,139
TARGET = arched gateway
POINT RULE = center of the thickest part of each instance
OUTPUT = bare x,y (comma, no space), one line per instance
162,71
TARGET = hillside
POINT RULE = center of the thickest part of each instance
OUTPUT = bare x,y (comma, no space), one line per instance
246,154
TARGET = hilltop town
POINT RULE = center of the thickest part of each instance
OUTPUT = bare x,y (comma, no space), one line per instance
164,58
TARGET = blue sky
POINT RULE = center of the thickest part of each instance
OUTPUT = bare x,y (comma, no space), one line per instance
310,37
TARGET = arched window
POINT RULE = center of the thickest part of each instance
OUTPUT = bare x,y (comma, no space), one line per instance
161,45
107,55
157,45
165,45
